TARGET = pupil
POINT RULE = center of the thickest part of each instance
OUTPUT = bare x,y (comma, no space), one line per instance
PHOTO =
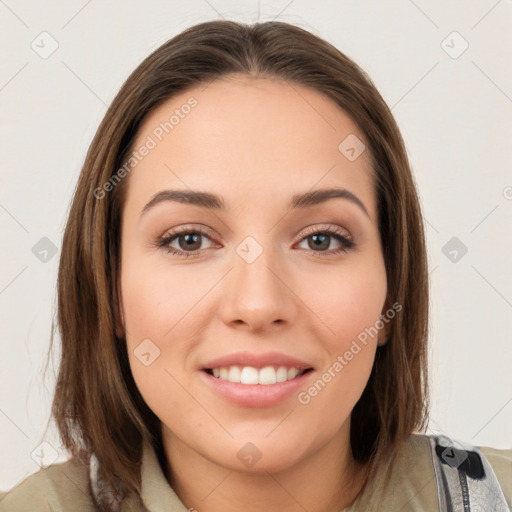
194,237
319,245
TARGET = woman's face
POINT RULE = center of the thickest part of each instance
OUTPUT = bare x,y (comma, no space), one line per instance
264,285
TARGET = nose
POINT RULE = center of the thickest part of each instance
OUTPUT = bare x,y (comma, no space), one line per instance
257,293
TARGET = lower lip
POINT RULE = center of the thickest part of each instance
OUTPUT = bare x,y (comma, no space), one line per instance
256,395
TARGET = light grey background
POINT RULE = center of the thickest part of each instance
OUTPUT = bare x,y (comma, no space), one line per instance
454,109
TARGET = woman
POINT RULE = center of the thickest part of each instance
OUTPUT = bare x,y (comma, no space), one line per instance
243,296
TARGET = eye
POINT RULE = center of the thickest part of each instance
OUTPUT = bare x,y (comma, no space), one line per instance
186,238
322,238
187,241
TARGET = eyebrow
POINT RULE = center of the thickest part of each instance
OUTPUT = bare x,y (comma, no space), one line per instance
215,202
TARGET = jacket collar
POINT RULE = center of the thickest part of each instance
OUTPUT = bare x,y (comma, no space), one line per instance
156,493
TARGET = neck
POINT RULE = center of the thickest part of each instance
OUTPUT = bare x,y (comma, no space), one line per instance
326,480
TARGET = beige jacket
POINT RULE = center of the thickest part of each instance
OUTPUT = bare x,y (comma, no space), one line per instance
65,487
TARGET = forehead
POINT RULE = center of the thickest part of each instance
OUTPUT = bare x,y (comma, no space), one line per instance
252,136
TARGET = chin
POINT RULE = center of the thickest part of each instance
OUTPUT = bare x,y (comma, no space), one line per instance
259,457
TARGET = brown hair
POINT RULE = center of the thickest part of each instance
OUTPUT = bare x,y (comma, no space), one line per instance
97,406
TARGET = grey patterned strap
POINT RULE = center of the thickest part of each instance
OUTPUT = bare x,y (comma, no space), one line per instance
465,479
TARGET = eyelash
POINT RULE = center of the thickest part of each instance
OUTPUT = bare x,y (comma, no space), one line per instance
336,233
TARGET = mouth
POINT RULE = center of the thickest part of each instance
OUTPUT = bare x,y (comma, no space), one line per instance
250,375
248,386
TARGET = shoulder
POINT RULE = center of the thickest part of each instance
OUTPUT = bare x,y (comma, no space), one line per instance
408,482
501,462
55,488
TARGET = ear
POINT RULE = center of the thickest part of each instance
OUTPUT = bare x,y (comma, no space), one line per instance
119,312
382,338
383,335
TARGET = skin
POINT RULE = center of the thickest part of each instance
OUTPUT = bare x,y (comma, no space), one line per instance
256,142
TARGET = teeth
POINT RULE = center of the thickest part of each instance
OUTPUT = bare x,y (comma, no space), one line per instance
249,375
281,374
292,373
267,375
234,374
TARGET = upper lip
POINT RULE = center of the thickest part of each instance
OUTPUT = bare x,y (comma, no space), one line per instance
256,361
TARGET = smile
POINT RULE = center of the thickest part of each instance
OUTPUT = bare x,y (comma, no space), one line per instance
250,375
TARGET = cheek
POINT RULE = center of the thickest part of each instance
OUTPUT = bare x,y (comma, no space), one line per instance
348,301
152,312
350,308
159,300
